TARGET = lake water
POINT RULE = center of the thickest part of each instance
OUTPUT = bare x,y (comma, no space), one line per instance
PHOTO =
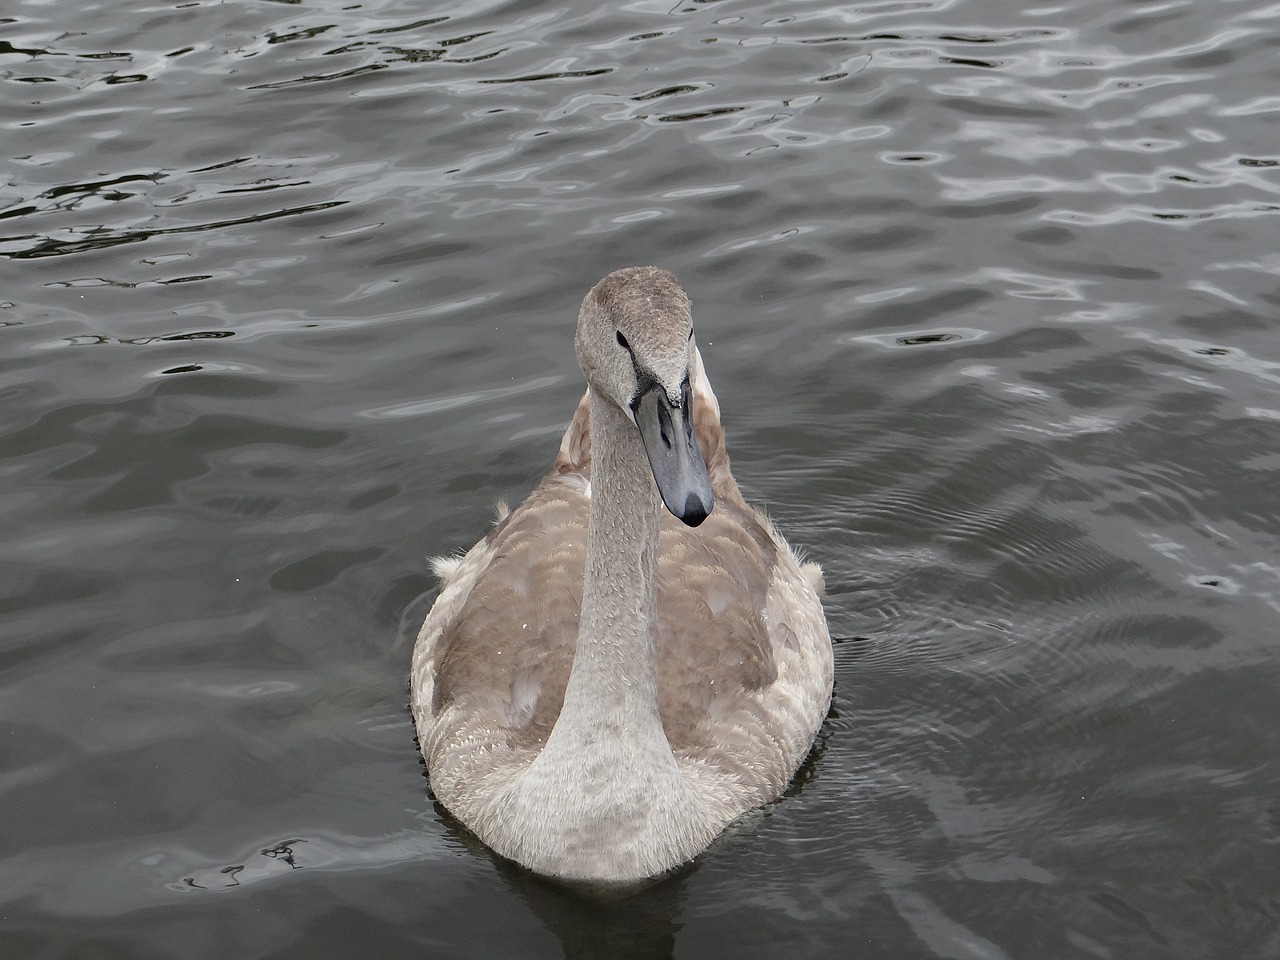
989,293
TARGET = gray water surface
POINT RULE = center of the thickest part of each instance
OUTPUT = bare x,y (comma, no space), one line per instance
988,291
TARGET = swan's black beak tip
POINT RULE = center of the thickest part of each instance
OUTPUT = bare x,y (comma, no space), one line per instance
695,510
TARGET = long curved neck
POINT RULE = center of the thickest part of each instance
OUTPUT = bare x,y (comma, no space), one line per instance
605,798
613,685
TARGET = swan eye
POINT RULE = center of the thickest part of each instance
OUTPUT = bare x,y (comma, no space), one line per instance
622,341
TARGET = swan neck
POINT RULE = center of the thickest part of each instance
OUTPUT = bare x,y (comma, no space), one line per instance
615,665
607,766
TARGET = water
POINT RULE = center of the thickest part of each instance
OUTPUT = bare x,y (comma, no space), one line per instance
988,292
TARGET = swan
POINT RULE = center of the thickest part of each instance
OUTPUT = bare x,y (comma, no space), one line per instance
601,687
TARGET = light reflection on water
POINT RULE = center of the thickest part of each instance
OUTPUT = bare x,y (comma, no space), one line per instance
988,297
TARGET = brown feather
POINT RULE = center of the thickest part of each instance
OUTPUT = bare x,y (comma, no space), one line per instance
713,580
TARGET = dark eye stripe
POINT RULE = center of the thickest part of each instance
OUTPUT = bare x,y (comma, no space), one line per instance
622,341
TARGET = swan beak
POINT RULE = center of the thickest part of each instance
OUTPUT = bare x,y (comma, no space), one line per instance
674,454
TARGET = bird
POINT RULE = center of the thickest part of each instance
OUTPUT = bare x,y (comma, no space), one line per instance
633,657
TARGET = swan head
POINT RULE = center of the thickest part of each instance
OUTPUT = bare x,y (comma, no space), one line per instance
635,346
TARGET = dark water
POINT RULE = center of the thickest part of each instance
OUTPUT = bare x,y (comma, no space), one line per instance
989,294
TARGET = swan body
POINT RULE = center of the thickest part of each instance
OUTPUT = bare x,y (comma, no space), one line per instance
603,684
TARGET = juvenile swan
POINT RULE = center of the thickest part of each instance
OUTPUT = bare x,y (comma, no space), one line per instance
602,686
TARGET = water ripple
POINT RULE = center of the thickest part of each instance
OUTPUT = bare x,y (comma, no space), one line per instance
989,298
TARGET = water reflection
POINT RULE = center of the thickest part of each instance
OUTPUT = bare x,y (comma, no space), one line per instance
990,303
638,924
